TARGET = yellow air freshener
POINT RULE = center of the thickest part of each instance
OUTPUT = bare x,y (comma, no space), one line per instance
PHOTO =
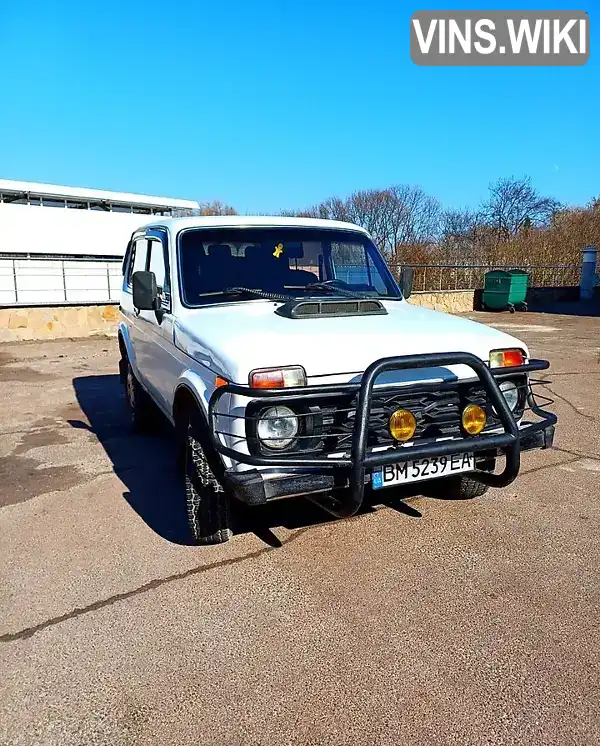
278,251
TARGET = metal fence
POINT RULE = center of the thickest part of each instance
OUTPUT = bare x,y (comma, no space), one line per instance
59,280
432,277
51,280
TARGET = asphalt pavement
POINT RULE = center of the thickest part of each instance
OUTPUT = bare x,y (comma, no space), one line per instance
421,621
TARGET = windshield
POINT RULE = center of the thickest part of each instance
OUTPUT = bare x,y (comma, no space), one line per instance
215,264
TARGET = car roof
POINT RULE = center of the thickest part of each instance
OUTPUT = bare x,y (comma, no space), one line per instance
252,221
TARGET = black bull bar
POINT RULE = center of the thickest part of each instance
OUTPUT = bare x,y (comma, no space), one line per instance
360,459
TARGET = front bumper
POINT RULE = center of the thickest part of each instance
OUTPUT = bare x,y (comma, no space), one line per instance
252,488
353,470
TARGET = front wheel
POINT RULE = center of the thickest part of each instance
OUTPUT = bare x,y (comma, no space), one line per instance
464,488
208,505
460,487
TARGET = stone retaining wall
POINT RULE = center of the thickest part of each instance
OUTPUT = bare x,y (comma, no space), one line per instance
451,301
56,322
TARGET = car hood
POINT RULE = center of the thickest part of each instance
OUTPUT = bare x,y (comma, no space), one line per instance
235,338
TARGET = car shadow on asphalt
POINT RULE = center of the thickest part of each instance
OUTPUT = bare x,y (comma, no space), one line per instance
147,466
144,463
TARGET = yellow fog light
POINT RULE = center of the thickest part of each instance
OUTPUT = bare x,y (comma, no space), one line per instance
473,419
402,424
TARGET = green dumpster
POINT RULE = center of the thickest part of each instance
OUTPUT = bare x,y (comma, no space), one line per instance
502,290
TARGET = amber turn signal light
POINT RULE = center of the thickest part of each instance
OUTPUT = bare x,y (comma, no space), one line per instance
473,419
402,425
278,378
506,358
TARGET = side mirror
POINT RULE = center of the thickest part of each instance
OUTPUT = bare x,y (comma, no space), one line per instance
145,293
406,281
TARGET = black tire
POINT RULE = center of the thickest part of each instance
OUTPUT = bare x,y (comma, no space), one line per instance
462,488
459,487
144,415
208,504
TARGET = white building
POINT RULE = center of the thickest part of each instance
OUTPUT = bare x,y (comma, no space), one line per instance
63,244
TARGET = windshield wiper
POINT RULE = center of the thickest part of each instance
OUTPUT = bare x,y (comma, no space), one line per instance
258,293
244,291
335,289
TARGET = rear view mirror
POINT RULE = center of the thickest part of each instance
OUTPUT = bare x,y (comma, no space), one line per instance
406,281
145,293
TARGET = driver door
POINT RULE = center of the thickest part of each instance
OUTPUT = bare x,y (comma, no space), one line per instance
154,329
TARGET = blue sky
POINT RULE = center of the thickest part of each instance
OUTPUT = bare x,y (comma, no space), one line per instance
277,105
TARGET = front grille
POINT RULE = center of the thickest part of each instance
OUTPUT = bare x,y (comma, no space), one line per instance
437,410
329,426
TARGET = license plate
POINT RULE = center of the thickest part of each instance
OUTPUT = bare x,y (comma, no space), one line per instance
424,468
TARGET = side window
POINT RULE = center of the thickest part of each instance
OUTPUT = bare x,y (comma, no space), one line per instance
156,264
139,253
127,257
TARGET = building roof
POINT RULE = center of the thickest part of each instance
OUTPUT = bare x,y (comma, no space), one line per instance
253,221
93,195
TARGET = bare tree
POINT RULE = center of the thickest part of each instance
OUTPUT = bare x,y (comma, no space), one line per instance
394,216
216,207
514,204
465,237
370,208
331,209
414,216
334,208
515,226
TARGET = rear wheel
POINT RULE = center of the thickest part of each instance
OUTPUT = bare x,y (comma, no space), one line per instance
144,415
208,505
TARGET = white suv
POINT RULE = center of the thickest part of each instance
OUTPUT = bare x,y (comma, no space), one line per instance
286,356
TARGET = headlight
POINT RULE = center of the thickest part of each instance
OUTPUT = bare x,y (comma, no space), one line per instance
277,427
510,393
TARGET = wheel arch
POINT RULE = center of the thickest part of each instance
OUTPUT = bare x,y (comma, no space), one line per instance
125,347
186,401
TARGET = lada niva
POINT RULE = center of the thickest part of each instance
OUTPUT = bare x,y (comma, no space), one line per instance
286,355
